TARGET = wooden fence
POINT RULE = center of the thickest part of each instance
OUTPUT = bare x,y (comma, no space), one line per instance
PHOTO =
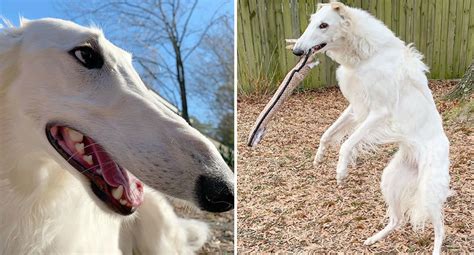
443,30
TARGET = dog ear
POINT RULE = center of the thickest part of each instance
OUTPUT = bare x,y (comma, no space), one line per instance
9,38
342,10
23,21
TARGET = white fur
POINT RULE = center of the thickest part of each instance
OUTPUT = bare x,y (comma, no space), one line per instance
385,83
47,206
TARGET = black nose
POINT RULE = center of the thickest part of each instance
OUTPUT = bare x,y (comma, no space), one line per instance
214,195
298,52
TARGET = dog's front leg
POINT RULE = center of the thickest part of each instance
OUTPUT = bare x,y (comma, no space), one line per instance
346,149
342,123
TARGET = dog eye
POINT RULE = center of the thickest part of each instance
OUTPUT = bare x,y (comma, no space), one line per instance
88,57
323,25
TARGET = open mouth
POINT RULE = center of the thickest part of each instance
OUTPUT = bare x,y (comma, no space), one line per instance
319,47
118,188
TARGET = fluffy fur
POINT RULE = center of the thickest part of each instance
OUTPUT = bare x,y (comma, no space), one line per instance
47,205
385,83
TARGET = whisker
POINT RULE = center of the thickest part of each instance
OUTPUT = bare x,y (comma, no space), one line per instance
92,167
74,154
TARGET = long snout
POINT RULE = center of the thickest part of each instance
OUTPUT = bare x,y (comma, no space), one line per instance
298,51
172,157
301,47
303,44
214,184
214,194
213,187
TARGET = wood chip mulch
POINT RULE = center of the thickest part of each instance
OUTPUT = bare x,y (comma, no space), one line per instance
286,205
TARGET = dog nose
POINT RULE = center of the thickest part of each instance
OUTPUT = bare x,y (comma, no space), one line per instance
214,194
298,52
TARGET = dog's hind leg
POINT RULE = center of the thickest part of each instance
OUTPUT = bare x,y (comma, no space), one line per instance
433,189
337,129
394,222
438,225
398,180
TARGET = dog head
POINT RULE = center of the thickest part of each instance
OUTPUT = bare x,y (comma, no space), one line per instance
324,31
79,99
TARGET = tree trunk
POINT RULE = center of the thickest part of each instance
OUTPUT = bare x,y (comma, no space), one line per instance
182,86
464,88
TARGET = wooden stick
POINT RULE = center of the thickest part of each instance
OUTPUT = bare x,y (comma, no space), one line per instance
291,81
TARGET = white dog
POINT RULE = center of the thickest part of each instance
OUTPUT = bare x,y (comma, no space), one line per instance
385,83
81,141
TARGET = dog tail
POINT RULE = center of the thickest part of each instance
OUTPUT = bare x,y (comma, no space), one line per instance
432,184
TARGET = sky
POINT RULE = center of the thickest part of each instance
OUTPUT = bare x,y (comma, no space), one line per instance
34,9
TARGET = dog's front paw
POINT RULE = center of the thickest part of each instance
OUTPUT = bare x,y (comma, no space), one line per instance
341,169
340,178
341,174
318,159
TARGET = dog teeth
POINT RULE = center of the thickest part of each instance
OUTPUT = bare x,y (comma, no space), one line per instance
117,192
75,136
88,159
79,148
123,201
54,131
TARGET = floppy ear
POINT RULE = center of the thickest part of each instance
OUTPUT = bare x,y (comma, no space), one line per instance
23,21
342,10
10,38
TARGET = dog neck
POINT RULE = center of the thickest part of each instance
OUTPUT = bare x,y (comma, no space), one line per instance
25,167
361,38
33,186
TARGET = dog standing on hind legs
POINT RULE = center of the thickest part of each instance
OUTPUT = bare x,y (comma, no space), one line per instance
389,102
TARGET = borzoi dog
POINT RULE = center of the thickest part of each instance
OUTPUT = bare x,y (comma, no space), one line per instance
385,83
83,144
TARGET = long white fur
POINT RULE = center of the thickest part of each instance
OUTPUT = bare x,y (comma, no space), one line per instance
47,206
385,83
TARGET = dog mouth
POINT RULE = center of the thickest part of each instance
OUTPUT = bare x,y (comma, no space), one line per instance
318,47
120,190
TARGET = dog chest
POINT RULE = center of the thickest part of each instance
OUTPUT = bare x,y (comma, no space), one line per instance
353,89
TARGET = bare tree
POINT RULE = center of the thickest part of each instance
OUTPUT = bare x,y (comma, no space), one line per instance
162,28
216,58
217,53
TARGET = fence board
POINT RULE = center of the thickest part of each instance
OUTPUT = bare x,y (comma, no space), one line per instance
410,15
464,38
444,39
421,27
470,48
443,30
450,41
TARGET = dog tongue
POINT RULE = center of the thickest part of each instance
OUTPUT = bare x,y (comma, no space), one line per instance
112,173
115,176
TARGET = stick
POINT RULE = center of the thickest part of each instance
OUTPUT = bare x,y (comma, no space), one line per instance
291,81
